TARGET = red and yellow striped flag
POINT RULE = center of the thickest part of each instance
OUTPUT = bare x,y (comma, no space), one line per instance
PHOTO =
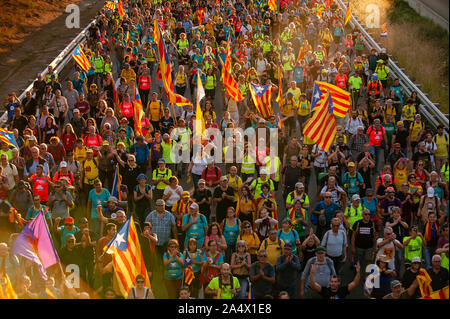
321,127
262,97
164,64
128,38
424,280
440,294
272,5
128,261
280,85
340,98
120,9
9,292
230,83
82,60
348,14
138,113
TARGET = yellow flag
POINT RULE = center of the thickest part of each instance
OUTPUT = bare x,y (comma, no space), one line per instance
6,289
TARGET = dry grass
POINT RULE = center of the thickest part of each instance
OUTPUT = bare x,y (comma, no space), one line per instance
418,45
19,18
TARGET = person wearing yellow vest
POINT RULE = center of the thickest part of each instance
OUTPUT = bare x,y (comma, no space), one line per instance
288,111
267,45
295,90
161,177
181,80
353,212
441,140
154,110
99,67
442,245
89,171
262,179
48,76
150,56
210,84
416,130
273,165
248,167
303,110
383,74
108,65
288,60
182,42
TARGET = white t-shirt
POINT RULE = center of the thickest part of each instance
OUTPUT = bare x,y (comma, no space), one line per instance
10,171
199,165
175,194
389,251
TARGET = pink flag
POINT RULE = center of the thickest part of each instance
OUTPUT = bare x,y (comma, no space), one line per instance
34,243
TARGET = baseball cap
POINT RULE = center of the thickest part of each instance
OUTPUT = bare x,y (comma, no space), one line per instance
89,150
299,185
161,160
185,194
223,178
320,249
351,164
105,143
262,121
263,171
201,181
160,202
76,111
63,164
356,197
194,206
113,199
430,192
32,138
68,221
83,220
395,283
141,176
416,260
380,61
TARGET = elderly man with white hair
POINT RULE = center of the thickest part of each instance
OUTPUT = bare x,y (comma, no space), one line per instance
35,160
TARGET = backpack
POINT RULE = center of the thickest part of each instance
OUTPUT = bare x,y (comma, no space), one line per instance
327,235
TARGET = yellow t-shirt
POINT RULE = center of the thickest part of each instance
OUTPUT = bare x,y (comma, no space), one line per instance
304,108
154,108
400,177
297,92
235,182
288,107
250,240
274,249
80,154
415,128
90,169
409,111
441,145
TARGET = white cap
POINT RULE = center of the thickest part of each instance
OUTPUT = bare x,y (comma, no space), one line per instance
356,197
63,164
430,192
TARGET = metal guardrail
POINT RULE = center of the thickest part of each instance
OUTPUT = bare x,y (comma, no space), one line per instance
58,64
428,109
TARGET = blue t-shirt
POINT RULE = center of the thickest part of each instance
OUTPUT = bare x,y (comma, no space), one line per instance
97,199
289,237
65,232
142,152
32,213
11,107
372,206
329,211
196,230
197,256
173,270
350,183
231,233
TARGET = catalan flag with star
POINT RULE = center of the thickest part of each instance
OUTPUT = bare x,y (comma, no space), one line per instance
340,98
188,271
321,127
164,64
138,113
128,261
7,137
82,60
262,97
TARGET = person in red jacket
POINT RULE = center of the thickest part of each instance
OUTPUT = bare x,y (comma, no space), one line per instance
341,80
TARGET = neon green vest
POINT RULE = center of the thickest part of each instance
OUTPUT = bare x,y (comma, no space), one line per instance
248,165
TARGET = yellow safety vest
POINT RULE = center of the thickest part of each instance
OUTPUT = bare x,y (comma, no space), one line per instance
276,167
248,165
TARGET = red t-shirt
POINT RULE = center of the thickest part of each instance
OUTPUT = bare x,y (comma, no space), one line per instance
341,81
375,136
210,175
126,108
68,141
40,186
93,141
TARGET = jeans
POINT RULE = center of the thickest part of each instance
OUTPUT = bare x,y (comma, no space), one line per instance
428,253
243,283
376,152
195,179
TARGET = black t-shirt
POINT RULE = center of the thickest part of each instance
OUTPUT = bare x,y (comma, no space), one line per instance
364,233
341,293
402,138
87,253
292,175
439,280
361,156
425,157
382,189
408,279
399,231
223,205
198,196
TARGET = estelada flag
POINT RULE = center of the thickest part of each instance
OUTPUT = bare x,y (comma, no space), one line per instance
339,97
348,14
82,60
7,137
128,261
230,83
120,9
262,97
424,281
138,113
164,65
321,127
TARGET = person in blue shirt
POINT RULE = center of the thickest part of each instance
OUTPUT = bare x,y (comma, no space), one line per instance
37,208
289,235
194,256
97,196
173,268
68,228
142,153
11,104
195,225
323,213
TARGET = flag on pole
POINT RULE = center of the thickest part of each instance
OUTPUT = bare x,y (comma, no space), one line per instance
116,100
230,83
262,97
280,85
348,14
321,127
7,137
199,125
188,272
82,60
34,243
128,38
9,292
138,113
279,123
120,9
340,98
128,261
384,30
164,63
116,184
272,5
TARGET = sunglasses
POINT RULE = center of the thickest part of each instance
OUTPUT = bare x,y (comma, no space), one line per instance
262,256
140,281
327,196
